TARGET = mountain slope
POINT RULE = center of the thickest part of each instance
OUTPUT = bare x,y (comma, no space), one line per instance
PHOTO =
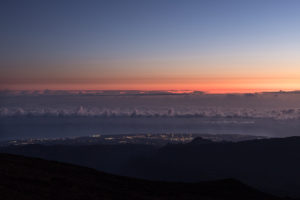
272,165
25,178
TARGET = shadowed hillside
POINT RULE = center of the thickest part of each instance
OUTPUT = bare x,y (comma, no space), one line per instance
31,178
272,165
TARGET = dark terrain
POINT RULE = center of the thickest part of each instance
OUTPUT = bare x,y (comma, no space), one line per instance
25,178
271,165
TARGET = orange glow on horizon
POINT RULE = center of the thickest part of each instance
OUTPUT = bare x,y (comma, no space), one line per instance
174,88
177,85
210,75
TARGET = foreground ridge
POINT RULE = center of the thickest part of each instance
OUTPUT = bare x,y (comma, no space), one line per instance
32,178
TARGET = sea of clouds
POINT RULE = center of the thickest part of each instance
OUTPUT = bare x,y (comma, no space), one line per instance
68,113
277,105
208,112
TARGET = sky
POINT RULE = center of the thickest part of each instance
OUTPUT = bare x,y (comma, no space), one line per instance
214,46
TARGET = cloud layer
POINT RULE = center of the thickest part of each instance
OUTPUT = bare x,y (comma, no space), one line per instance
136,104
279,114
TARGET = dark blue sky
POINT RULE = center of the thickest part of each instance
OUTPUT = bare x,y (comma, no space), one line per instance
141,25
82,31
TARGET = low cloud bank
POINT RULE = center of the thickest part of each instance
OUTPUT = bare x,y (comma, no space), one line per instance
139,104
279,114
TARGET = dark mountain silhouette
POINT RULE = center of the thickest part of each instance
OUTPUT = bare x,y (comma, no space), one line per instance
108,158
272,165
269,164
25,178
200,140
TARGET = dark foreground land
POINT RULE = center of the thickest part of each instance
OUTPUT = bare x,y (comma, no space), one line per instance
32,178
270,165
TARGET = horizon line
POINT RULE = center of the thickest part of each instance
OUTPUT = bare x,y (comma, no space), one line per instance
171,91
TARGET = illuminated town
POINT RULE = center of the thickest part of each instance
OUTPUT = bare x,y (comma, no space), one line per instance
149,139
